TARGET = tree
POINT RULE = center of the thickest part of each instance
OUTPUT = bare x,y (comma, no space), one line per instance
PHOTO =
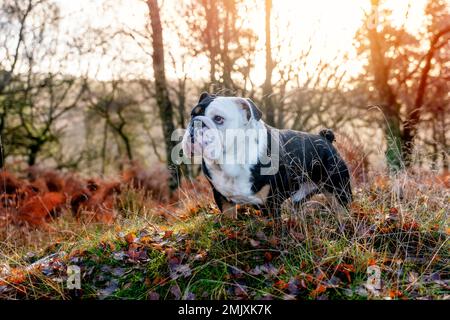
116,108
401,68
217,31
439,36
267,88
161,90
32,101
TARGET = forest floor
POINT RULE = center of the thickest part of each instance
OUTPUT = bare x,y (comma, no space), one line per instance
392,244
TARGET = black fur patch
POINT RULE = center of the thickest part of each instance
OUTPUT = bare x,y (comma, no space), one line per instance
203,103
328,134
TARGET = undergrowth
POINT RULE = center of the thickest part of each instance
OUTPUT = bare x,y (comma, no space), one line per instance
397,226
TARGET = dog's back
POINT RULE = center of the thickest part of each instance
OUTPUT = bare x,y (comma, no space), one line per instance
313,158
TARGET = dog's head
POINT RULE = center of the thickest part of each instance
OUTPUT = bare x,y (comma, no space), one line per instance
212,118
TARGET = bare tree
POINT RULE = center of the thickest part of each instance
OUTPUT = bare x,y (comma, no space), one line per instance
267,88
228,44
34,101
161,90
401,70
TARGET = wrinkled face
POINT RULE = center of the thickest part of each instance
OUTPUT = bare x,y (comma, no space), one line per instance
212,120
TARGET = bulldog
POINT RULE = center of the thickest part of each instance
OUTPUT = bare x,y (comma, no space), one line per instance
249,162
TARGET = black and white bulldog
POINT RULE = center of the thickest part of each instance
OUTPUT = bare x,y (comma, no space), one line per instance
248,162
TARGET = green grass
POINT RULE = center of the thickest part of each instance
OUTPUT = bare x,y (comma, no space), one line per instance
322,252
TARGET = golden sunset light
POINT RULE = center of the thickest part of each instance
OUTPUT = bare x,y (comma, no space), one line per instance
328,26
224,151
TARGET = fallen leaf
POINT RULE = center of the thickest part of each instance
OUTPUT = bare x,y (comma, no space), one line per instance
168,234
189,296
240,291
200,256
319,290
145,239
371,262
118,272
393,294
261,236
235,272
16,276
254,243
293,286
176,292
119,256
153,296
130,237
109,290
282,285
266,269
393,211
274,241
346,269
180,270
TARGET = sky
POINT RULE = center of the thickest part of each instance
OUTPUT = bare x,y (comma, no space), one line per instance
328,25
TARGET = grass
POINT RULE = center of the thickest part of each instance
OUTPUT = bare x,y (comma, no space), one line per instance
398,225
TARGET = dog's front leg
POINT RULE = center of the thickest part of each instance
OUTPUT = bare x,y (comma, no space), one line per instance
226,207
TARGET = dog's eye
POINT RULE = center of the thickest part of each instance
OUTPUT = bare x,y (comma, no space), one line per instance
218,119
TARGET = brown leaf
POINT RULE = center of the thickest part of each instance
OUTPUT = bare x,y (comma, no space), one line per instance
346,269
268,256
16,276
371,262
282,285
393,294
130,237
393,211
167,234
319,290
274,241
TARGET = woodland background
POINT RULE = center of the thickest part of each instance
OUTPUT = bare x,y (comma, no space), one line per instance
60,108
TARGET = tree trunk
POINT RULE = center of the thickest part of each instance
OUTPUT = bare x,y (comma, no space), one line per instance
211,37
32,155
228,24
389,105
444,144
267,88
162,94
105,137
2,154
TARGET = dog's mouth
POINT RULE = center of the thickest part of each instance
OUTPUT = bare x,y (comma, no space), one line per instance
202,138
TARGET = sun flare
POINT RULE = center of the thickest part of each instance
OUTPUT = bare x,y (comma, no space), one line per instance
327,26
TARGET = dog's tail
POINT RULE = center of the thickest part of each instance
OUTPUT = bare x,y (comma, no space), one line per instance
328,134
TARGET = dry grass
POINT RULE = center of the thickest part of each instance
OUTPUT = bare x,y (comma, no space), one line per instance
398,224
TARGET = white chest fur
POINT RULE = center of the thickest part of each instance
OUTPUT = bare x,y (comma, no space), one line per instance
233,179
236,187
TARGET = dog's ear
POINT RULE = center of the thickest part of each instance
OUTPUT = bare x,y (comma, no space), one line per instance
252,110
203,96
